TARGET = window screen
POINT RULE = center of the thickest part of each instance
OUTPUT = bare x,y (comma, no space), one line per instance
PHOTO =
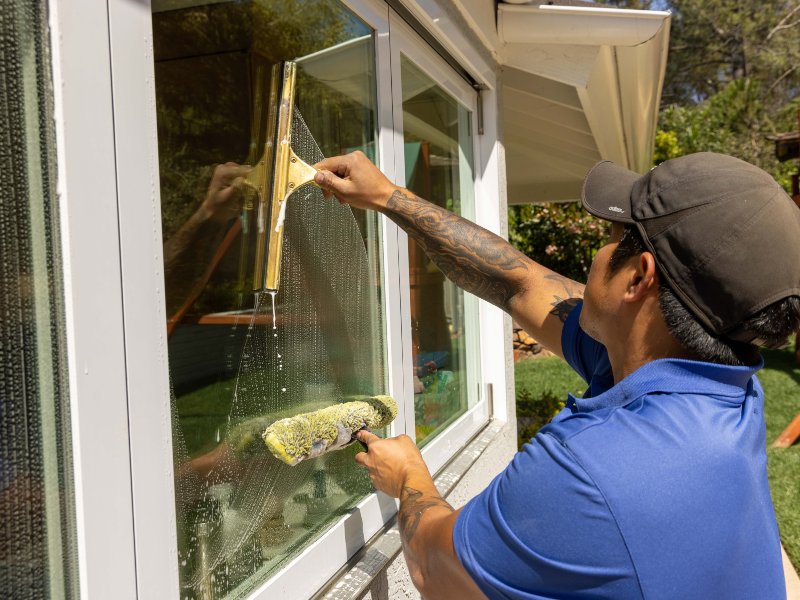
37,549
240,360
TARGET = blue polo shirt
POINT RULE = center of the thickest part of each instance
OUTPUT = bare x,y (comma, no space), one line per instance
652,488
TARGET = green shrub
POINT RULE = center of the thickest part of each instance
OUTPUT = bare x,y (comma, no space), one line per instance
562,237
542,387
534,411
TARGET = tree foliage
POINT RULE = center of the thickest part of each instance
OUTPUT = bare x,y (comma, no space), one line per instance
733,121
716,42
732,80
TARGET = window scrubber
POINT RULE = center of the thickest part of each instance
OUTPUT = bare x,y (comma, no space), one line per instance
310,434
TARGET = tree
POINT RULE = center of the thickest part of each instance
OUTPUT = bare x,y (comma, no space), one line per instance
716,42
733,78
733,121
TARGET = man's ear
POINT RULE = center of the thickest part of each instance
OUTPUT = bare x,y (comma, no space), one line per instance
643,278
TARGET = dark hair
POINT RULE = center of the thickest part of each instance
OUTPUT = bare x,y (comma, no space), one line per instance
773,324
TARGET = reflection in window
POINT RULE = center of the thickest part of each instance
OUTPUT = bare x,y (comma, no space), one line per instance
236,363
438,161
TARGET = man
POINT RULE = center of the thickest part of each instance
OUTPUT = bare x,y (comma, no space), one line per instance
653,484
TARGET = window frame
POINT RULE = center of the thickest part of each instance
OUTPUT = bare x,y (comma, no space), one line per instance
405,42
116,333
86,188
142,282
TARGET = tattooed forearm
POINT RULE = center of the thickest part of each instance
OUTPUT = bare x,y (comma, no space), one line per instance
413,504
564,304
472,257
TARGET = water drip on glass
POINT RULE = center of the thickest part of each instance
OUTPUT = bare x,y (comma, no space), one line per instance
272,294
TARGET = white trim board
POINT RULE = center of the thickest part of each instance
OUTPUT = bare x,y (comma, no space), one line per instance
87,193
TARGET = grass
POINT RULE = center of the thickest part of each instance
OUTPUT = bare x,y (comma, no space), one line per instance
543,382
542,387
203,413
781,381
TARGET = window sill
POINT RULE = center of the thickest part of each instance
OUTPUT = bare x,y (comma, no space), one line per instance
354,579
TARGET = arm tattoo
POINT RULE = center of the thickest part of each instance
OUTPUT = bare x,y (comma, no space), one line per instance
470,256
564,305
413,505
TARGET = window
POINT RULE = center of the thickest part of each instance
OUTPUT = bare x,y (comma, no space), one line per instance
239,360
440,158
208,363
437,144
37,539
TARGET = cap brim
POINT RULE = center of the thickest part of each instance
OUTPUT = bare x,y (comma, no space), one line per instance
607,190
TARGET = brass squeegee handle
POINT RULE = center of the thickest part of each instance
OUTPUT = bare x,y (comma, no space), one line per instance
291,173
277,175
300,173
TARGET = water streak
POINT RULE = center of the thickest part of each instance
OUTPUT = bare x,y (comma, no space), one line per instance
272,294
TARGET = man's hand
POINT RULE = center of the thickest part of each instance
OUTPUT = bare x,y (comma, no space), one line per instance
354,180
223,198
425,519
391,462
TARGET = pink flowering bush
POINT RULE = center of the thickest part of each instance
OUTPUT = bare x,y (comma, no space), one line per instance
562,236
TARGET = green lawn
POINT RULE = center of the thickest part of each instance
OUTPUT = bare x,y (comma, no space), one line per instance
781,381
544,382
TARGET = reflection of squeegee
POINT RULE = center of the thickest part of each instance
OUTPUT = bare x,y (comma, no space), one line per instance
311,434
277,174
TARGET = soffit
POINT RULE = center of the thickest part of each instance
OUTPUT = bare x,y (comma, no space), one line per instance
580,84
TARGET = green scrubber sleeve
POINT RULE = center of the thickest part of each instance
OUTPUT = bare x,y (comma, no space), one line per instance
311,434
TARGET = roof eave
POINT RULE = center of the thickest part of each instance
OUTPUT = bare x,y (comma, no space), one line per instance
615,60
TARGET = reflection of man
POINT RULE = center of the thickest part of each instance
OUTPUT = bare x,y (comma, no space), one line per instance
796,198
188,252
186,255
654,483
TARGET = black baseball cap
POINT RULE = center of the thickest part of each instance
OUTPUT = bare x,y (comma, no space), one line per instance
724,234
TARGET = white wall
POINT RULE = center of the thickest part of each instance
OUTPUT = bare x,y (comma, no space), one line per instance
480,16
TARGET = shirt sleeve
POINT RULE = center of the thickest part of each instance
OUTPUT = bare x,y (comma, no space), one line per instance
583,353
543,530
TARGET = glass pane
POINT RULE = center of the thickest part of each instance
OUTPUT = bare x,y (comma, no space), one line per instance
239,360
438,160
37,538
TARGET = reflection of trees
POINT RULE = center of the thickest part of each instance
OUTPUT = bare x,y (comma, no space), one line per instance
211,63
205,60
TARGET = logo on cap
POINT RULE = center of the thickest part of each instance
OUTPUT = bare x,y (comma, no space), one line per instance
616,209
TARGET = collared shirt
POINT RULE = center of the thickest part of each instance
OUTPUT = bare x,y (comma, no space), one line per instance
652,488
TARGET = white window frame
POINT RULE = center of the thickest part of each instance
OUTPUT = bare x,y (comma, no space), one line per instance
406,42
142,276
87,191
114,293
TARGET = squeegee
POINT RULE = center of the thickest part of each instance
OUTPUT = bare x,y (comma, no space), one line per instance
276,176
